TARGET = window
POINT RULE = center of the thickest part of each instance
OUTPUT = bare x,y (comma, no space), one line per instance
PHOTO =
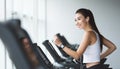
33,16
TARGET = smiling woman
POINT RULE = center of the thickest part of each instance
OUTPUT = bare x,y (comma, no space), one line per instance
60,18
44,18
92,42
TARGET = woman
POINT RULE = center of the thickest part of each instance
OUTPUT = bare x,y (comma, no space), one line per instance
92,41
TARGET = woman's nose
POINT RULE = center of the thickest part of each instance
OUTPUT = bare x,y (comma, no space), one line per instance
76,22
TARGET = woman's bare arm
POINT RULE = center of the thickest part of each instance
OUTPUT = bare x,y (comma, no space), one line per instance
76,54
111,47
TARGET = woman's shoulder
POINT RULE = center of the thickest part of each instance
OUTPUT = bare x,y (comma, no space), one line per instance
87,34
90,34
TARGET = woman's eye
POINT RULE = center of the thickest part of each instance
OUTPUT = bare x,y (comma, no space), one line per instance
78,18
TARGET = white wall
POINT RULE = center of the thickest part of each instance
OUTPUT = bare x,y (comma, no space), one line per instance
60,18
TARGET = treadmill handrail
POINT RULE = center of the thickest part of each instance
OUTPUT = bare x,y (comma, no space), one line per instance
52,51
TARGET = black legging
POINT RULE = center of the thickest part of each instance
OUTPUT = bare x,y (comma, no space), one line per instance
99,66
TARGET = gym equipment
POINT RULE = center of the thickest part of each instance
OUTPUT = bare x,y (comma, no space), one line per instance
10,33
67,63
66,43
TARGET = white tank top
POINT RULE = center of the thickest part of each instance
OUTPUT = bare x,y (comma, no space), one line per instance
92,52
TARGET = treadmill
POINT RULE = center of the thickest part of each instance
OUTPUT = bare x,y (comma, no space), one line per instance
66,63
44,63
10,38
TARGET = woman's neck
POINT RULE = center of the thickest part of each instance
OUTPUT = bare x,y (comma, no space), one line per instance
88,29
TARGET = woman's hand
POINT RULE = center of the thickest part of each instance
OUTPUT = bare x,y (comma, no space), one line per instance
57,41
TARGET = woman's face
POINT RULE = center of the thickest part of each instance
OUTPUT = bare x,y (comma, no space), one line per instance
80,21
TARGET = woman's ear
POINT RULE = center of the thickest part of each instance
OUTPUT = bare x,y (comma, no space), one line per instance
87,18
